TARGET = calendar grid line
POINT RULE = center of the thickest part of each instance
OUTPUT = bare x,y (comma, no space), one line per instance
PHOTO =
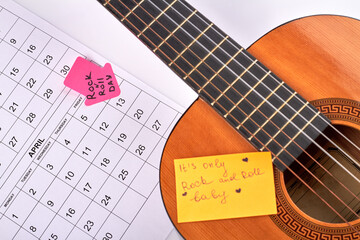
20,227
49,186
37,201
25,88
9,31
114,168
119,161
98,143
139,211
56,214
40,30
38,135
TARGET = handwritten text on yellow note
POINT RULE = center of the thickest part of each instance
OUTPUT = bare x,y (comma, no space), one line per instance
224,186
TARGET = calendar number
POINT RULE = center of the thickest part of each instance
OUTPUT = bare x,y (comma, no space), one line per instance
31,117
13,107
33,229
69,175
50,167
86,151
105,162
122,137
156,125
104,126
140,150
65,70
31,49
14,71
70,212
48,59
88,225
31,83
84,118
120,102
87,187
13,41
50,203
106,200
48,93
108,236
138,114
123,174
32,191
13,141
53,236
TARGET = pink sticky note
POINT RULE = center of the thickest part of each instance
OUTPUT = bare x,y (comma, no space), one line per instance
96,83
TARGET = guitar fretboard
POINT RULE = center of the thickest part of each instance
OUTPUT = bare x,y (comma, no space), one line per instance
259,105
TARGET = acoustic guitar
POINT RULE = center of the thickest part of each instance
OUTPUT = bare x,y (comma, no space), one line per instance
245,107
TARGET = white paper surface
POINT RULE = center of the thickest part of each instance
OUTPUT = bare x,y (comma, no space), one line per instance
69,171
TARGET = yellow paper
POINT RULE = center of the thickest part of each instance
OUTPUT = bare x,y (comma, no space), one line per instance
224,186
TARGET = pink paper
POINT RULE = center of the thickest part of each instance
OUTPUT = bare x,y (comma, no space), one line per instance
96,83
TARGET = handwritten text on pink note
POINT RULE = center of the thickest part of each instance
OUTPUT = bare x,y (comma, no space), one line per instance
96,83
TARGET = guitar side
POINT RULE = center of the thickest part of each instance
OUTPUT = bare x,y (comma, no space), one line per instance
318,57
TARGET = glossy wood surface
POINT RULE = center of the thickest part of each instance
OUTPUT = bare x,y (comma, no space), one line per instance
317,56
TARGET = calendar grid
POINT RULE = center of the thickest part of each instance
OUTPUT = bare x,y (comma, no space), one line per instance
15,167
104,149
92,200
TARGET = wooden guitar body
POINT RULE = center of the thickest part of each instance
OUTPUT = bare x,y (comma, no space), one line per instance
319,57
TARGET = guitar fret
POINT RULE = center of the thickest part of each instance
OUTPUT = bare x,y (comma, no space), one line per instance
277,110
301,130
289,121
237,79
131,11
216,47
194,41
106,3
257,108
246,70
217,73
172,33
155,19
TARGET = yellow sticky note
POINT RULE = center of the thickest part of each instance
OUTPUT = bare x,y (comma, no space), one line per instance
224,186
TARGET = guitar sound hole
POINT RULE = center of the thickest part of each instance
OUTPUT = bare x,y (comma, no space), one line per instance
311,204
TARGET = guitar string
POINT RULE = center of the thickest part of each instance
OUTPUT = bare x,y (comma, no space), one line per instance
275,94
263,115
137,5
174,50
327,138
333,127
249,131
320,165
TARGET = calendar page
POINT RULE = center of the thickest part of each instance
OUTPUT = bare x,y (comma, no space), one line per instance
70,171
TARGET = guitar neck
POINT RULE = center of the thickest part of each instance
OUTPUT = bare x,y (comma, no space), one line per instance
259,105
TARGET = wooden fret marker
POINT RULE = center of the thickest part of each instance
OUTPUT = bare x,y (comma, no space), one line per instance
182,52
131,11
235,106
301,130
177,28
155,19
287,123
217,73
106,3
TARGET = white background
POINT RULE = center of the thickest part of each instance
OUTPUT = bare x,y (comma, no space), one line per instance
244,20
